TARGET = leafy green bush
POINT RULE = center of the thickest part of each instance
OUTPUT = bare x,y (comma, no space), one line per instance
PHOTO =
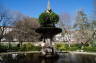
61,47
73,48
89,49
65,47
3,48
30,47
8,47
93,43
76,45
24,47
11,47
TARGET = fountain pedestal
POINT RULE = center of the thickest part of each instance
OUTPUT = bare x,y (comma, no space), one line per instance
48,52
47,34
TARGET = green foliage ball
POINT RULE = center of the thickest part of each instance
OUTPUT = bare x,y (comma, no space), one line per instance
48,18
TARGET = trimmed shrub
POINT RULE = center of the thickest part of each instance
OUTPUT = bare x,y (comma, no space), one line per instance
29,47
73,48
65,47
89,49
61,47
3,48
48,18
76,45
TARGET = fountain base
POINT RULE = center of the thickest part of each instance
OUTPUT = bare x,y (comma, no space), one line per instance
48,52
49,56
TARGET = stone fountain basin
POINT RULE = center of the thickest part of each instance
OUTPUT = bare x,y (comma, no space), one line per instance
48,31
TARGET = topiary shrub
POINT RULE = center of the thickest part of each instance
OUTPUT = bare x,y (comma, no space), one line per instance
48,18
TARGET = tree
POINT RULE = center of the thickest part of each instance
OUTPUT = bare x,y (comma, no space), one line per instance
66,27
8,18
9,36
93,23
82,27
2,30
94,11
5,20
93,37
25,30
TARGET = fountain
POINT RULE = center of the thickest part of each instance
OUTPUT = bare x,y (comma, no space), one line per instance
48,30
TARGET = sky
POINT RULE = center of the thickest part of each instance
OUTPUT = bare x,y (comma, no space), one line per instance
34,8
